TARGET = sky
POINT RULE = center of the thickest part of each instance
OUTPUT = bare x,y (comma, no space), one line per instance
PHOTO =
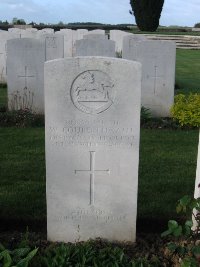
175,12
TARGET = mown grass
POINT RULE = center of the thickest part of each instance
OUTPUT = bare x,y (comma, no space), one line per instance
167,172
22,172
188,70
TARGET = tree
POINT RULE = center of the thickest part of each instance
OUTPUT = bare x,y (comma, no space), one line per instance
18,21
147,13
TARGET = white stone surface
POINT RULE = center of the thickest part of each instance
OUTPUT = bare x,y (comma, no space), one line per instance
14,30
28,33
46,31
97,31
92,47
197,183
117,36
25,74
92,120
54,46
4,36
68,41
95,36
158,72
77,35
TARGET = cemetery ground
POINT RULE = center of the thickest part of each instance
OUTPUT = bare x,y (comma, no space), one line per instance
166,173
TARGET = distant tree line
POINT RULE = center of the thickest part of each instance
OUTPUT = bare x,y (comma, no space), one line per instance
197,25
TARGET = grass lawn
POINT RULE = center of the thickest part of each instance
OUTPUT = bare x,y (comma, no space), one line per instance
188,70
167,172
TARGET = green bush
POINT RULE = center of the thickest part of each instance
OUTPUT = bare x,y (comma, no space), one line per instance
185,247
186,110
19,257
89,254
197,25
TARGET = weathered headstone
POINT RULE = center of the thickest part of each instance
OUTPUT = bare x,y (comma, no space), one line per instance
97,31
29,33
92,47
77,35
92,148
4,37
54,46
46,31
14,30
197,187
117,36
25,74
95,36
197,183
158,72
68,41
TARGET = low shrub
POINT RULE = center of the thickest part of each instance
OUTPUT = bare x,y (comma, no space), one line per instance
186,110
19,257
184,245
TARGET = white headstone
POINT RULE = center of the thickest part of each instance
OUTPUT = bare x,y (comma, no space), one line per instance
92,47
117,36
28,34
68,41
25,74
4,37
46,31
14,30
78,35
92,148
197,183
197,187
95,36
97,31
158,72
54,46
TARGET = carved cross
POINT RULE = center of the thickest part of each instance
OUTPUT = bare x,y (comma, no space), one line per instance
155,77
92,172
26,76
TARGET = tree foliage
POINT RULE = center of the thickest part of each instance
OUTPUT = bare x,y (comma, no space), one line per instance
147,13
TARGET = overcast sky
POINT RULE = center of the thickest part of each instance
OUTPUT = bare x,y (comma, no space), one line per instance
175,12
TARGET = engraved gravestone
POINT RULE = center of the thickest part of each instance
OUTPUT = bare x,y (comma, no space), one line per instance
95,47
54,46
4,36
158,72
92,148
95,36
25,74
68,41
77,35
117,36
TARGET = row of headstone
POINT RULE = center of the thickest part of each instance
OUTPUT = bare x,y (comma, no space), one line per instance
65,38
157,58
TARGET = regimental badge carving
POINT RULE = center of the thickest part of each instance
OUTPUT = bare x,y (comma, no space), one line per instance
92,91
